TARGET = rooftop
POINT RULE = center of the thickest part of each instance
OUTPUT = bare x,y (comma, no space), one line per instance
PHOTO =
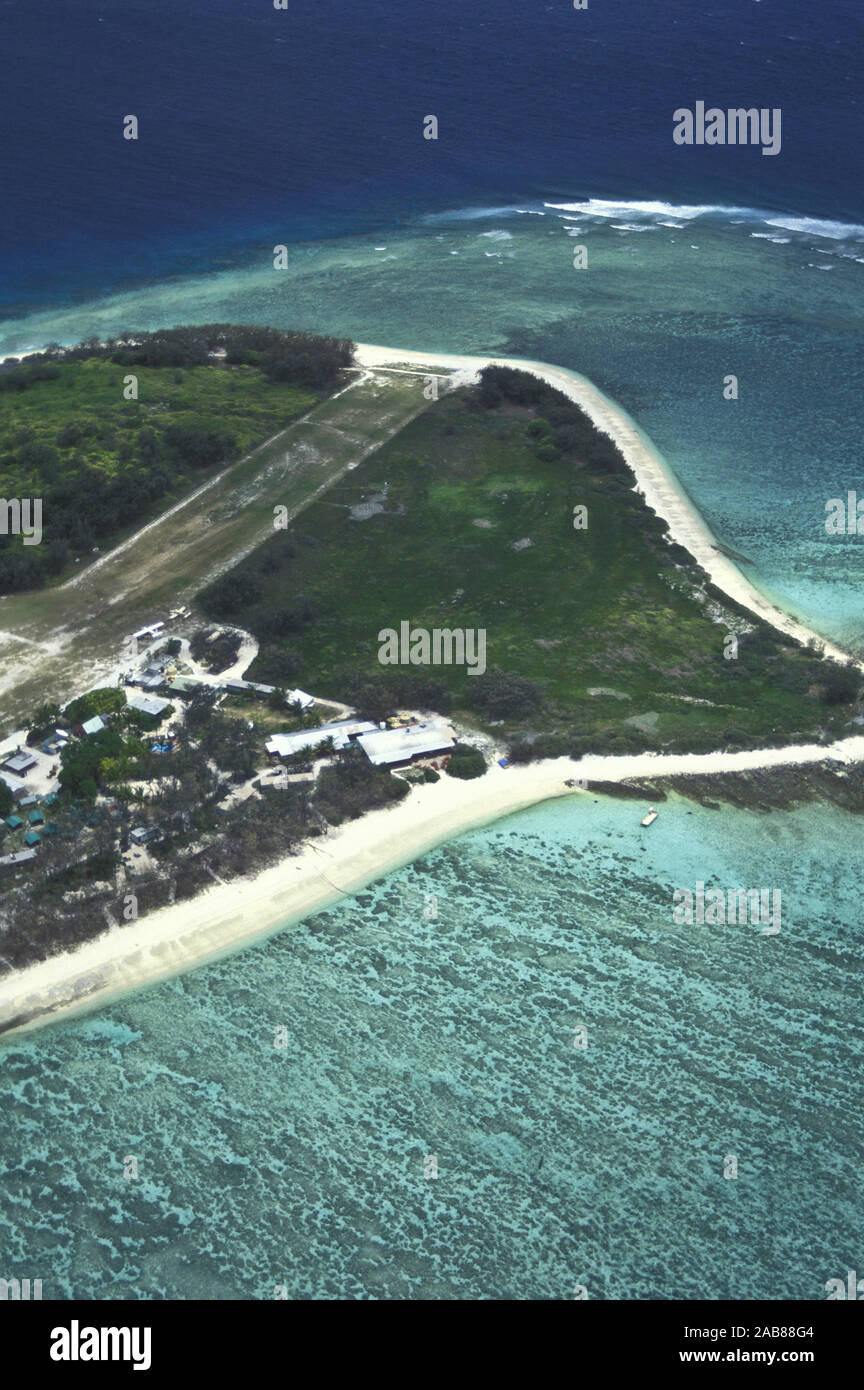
147,704
284,745
386,746
20,762
20,857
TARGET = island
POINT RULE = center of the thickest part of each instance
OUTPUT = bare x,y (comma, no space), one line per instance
349,602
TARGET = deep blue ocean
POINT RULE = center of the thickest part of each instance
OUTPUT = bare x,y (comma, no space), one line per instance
308,121
306,1168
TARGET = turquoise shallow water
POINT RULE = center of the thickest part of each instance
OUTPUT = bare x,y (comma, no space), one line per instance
304,1167
406,1037
673,300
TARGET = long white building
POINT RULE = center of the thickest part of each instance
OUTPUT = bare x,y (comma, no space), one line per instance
398,747
286,745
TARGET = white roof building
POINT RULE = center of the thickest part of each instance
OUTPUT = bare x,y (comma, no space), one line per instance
147,704
390,746
299,697
285,745
94,725
21,857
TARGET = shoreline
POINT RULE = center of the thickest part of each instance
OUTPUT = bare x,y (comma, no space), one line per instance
227,918
224,919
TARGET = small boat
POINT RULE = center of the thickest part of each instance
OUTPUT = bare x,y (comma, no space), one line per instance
651,817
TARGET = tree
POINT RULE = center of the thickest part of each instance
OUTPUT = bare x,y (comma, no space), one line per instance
107,700
44,722
506,695
466,762
840,684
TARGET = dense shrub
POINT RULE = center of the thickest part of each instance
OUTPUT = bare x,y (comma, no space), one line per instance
466,762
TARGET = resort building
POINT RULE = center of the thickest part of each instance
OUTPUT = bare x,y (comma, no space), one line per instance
286,745
94,725
187,685
238,687
147,704
21,857
292,697
151,678
142,834
402,746
20,763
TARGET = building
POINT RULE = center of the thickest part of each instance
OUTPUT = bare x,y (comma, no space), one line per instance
299,697
286,745
187,685
20,763
142,834
147,704
14,822
32,839
36,818
292,697
403,746
237,687
94,725
21,857
28,799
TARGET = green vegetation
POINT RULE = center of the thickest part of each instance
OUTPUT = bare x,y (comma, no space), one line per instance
598,639
106,759
352,786
220,653
107,700
44,722
466,763
102,464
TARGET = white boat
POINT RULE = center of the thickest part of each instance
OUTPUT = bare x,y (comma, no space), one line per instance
651,817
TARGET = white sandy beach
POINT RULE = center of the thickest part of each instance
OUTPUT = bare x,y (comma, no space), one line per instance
232,915
229,916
